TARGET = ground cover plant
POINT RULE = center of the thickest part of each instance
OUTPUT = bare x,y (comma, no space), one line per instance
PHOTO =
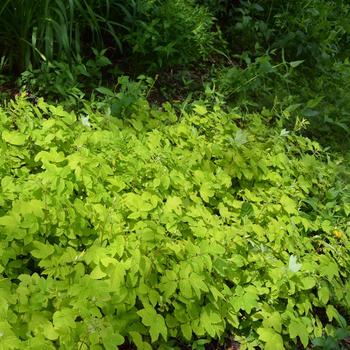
167,230
161,182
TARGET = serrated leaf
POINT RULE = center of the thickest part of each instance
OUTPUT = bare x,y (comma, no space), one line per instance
64,318
97,273
284,132
272,340
168,288
206,192
173,204
110,339
245,299
117,246
249,301
298,329
10,342
36,207
197,283
274,320
137,339
42,250
137,124
52,156
216,294
155,321
288,205
330,270
328,267
200,109
208,319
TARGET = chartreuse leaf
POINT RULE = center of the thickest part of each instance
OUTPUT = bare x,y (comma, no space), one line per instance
50,332
110,339
137,339
186,330
10,222
297,328
332,312
288,204
328,267
118,246
245,299
52,156
97,273
323,294
209,319
185,288
173,204
206,191
8,339
249,300
42,250
13,137
64,318
68,117
274,321
197,283
200,109
155,321
272,339
308,282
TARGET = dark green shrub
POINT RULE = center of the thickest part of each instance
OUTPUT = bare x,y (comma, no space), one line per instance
263,35
155,33
32,32
167,33
315,31
65,82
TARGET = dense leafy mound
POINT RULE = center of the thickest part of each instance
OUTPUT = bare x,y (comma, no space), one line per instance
166,230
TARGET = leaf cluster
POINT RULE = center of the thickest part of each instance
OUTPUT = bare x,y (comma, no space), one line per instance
163,230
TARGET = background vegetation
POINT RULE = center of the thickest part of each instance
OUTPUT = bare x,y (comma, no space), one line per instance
174,174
